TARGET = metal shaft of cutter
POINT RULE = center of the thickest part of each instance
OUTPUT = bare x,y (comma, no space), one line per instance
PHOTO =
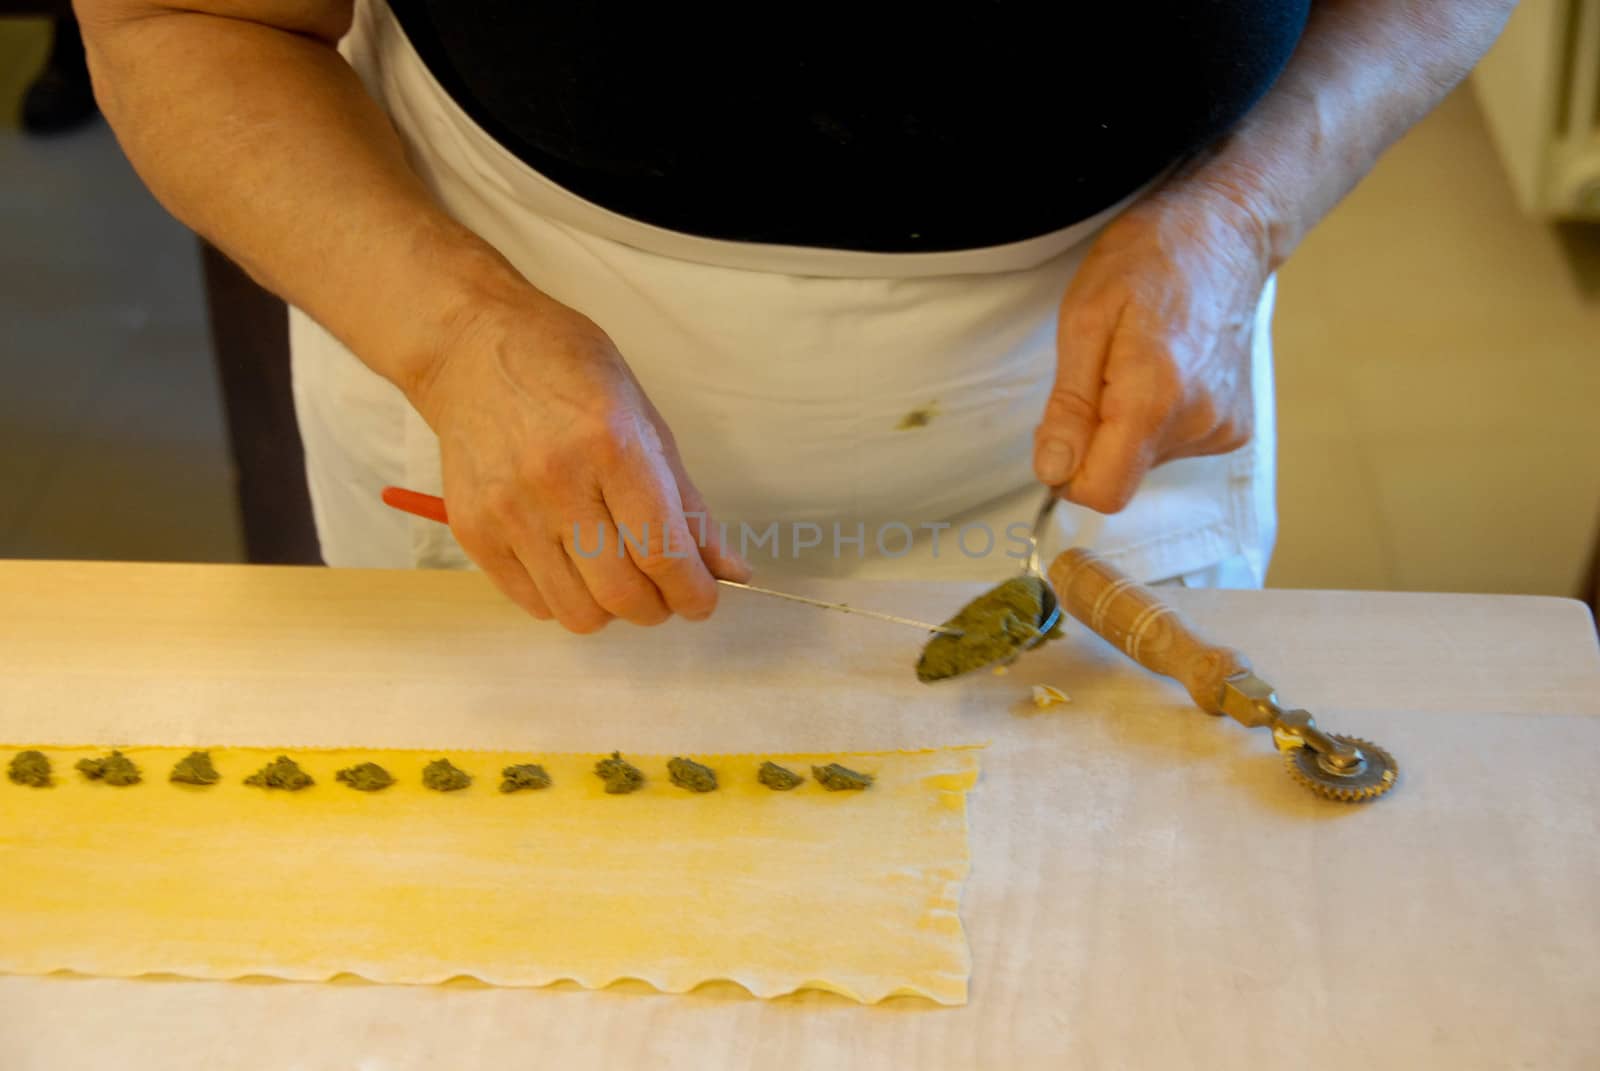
842,608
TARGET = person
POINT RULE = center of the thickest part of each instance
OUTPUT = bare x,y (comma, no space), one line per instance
875,273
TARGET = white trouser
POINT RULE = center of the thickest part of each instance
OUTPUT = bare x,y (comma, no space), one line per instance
786,374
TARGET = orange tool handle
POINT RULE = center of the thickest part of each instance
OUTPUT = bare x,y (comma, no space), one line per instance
428,507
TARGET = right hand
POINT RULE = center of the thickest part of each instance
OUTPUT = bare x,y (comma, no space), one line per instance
541,427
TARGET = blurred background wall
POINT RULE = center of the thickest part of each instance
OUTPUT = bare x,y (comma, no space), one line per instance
1438,371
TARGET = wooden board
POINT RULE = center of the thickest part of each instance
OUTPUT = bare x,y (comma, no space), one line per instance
1147,889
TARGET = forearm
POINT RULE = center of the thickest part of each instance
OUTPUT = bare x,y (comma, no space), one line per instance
261,138
1364,73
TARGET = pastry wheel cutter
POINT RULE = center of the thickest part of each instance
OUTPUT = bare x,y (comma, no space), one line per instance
1219,679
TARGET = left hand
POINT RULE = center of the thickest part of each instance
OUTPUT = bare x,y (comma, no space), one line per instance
1154,345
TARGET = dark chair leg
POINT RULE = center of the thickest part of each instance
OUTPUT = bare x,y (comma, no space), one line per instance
250,340
60,100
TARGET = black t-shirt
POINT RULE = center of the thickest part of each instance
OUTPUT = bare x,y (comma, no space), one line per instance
869,126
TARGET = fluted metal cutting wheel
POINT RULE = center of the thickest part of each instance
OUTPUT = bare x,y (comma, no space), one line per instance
1376,774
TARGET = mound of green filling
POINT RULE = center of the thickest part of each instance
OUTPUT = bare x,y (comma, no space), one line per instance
836,778
994,627
442,776
621,777
778,778
686,773
524,777
195,769
114,769
30,768
282,772
365,777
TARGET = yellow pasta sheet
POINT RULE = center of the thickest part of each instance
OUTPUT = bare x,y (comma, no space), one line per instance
854,892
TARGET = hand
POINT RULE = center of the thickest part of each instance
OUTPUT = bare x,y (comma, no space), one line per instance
1153,346
542,427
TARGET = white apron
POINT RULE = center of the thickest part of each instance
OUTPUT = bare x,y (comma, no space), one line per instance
786,374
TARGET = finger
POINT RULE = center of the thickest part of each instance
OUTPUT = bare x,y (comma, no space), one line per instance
504,570
1133,416
562,587
1225,438
515,583
612,578
715,550
1220,418
719,557
1084,332
644,498
665,551
512,577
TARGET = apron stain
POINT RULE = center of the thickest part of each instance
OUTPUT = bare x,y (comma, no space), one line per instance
918,418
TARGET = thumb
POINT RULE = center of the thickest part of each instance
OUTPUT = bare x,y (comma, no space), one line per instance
1072,412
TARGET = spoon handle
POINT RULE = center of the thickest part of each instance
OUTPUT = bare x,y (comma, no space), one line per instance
1040,520
1153,634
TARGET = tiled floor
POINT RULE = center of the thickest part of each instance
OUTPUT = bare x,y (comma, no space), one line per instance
1438,367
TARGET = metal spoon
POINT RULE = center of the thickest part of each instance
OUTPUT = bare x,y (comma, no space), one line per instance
940,666
1049,605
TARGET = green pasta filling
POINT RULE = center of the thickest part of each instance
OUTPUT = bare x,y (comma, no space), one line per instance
525,777
621,777
686,773
282,772
366,777
442,775
114,769
994,628
778,778
30,768
195,769
836,778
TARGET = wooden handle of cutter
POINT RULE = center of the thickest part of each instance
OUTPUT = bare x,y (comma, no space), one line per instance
1139,624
